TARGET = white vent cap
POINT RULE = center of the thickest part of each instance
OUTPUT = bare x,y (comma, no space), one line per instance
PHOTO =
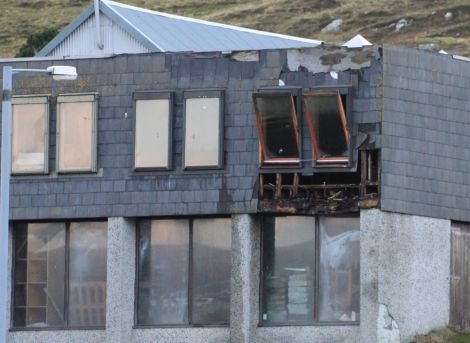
357,42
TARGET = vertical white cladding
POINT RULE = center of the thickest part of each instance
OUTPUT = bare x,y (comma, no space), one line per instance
83,41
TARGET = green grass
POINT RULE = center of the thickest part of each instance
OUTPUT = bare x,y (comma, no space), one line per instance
304,18
446,335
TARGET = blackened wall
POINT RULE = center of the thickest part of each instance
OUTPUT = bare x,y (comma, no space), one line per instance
426,134
116,190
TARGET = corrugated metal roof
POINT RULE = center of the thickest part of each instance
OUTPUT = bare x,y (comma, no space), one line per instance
164,32
175,33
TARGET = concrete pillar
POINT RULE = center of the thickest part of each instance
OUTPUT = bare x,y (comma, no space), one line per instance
121,277
405,263
244,306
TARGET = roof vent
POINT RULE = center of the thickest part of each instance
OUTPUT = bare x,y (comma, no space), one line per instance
357,42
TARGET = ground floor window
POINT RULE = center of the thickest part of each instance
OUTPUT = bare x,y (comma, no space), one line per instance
60,274
184,272
310,270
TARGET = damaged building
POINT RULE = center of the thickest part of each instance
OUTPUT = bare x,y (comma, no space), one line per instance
292,194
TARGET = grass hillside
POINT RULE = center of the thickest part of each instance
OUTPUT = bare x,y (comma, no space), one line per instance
375,19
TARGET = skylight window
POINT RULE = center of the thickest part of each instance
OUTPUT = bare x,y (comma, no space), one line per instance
326,117
276,118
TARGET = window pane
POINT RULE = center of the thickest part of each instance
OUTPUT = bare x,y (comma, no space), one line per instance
279,133
39,275
29,138
339,269
75,136
163,272
87,274
211,270
202,132
288,269
152,133
328,127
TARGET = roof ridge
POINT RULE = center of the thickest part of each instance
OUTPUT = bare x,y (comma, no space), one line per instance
211,23
107,5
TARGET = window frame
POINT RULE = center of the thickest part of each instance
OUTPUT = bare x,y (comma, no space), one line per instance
189,324
66,326
296,109
74,98
316,280
154,95
34,99
317,160
201,94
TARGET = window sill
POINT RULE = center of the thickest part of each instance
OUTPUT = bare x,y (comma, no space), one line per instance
57,175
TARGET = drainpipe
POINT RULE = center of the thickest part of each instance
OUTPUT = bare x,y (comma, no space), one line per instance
97,24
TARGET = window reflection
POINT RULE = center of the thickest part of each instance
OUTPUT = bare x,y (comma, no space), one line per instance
339,269
165,269
163,283
87,273
211,271
288,270
39,275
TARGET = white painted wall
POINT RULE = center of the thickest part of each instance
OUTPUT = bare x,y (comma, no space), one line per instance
83,41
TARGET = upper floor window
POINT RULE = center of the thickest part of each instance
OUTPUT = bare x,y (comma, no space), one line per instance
60,274
326,118
184,272
76,133
277,123
30,135
153,127
310,270
203,127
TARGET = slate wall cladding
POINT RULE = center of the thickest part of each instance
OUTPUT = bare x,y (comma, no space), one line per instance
426,134
116,190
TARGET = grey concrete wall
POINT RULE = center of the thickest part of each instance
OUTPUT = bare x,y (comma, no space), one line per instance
405,264
426,134
117,191
244,295
308,334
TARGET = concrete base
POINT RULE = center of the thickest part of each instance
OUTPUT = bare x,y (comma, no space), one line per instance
405,263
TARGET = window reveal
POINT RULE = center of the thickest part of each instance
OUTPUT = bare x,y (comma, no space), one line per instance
184,272
310,270
76,133
203,130
152,130
30,135
326,119
43,294
276,119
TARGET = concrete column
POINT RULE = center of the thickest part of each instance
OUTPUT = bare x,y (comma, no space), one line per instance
244,309
405,263
121,277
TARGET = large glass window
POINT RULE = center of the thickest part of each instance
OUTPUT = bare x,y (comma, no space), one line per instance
48,291
310,270
276,118
326,117
30,135
203,130
184,272
152,130
76,133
